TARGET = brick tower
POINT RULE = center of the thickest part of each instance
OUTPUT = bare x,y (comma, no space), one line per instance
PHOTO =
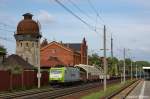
28,40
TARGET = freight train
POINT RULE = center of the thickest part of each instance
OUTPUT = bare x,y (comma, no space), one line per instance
78,73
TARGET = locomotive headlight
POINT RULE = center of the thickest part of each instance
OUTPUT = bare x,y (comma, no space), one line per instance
55,76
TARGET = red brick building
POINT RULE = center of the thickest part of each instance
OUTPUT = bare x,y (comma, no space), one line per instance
58,53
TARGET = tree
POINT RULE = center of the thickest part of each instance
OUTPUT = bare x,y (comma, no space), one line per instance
142,63
2,50
112,66
128,66
94,59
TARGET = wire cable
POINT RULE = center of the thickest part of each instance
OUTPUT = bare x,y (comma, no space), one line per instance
7,30
79,18
94,9
6,25
80,10
6,39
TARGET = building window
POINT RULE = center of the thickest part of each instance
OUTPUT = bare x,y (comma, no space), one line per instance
27,44
37,45
53,51
21,44
32,44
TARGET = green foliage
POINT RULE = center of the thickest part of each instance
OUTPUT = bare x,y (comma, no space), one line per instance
115,66
2,49
112,66
16,69
94,59
110,89
142,63
128,61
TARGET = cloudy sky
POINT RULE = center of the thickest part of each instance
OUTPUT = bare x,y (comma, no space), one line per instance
128,21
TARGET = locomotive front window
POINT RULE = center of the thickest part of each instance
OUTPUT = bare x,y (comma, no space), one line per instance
56,71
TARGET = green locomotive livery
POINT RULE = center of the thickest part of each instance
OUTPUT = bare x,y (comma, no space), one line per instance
64,74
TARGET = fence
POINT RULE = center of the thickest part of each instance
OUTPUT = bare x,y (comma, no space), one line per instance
26,79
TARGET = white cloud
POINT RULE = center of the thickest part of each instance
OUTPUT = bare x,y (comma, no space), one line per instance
45,17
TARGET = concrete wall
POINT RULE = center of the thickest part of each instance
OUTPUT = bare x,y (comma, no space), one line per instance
29,51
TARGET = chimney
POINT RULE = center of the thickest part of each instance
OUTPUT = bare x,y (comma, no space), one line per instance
84,41
61,42
27,16
68,45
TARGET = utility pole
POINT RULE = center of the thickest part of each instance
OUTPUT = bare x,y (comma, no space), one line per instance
105,63
87,58
121,78
140,73
136,71
112,56
124,65
131,70
112,48
39,70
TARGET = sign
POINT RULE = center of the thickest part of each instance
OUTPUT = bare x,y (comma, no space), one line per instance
38,75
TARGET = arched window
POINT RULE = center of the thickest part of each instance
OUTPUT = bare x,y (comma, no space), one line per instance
27,44
37,45
21,44
32,44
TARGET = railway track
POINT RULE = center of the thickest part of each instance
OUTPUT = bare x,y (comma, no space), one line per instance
122,93
50,93
23,93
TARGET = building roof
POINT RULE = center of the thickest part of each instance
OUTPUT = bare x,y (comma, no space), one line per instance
44,43
146,67
52,60
15,60
74,46
27,25
93,70
58,44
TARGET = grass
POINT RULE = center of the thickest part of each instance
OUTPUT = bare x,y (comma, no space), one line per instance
110,89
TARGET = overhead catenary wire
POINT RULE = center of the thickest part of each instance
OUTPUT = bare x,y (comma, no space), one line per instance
108,25
79,18
88,16
6,39
84,21
97,14
79,9
6,25
94,9
6,30
99,17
